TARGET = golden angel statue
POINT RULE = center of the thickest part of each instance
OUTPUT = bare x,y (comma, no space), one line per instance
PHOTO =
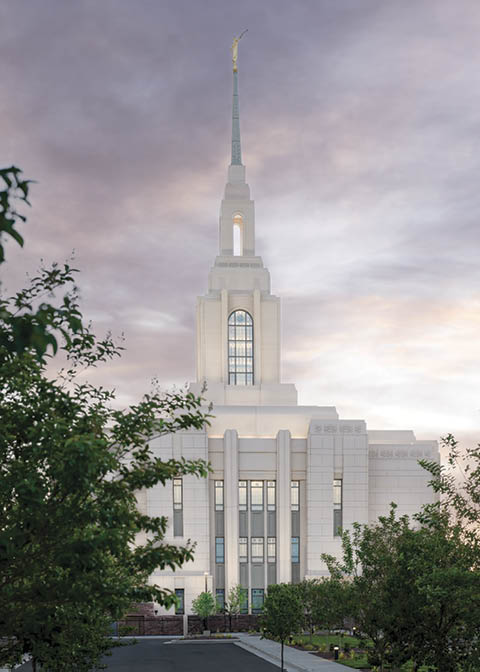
236,40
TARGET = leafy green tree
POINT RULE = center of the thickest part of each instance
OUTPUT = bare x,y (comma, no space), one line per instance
415,592
368,555
27,321
234,602
283,613
71,465
204,606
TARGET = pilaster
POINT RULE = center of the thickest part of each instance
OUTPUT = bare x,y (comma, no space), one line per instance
284,517
230,477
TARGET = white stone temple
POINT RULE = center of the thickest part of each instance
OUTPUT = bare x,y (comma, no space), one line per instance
286,479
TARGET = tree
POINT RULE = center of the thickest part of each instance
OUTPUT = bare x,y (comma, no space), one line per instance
234,602
415,591
70,467
282,614
27,321
204,606
368,557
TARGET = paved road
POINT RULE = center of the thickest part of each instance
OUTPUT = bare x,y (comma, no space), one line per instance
156,655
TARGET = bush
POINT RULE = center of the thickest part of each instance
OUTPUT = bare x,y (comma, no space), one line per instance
346,647
309,647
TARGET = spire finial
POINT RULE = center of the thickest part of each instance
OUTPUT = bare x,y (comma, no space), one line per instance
236,40
236,146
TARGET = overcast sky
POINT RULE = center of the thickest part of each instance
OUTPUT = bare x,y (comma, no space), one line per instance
360,124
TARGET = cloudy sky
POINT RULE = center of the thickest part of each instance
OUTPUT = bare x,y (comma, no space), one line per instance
360,128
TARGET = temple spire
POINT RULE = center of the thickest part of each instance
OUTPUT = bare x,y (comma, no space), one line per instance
236,146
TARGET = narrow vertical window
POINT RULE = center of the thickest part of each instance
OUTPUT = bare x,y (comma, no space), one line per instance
244,603
240,348
242,495
295,495
220,599
256,495
271,497
295,549
218,486
180,605
237,235
243,549
271,549
177,494
257,549
257,600
337,506
219,550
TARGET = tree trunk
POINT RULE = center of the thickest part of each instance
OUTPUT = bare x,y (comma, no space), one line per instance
282,668
34,664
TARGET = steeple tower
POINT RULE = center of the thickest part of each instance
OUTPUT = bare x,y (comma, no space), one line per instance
236,144
238,320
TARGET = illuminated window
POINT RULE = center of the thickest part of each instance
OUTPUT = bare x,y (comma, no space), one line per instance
237,235
271,495
242,495
271,549
257,549
256,495
295,496
177,494
240,348
180,605
337,507
218,495
243,549
257,600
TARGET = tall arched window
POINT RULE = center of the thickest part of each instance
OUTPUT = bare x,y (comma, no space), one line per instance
240,348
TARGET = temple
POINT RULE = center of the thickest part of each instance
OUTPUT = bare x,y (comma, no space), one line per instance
286,479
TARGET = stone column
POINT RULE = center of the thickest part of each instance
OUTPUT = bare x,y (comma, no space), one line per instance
284,516
230,477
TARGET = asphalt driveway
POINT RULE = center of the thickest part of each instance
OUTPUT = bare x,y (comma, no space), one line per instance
160,655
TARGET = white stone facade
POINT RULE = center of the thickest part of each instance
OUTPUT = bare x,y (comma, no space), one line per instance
261,442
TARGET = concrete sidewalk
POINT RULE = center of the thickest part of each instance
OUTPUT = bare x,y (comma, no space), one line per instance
294,660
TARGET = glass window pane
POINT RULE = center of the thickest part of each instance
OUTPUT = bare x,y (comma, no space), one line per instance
337,493
220,598
256,495
180,606
240,348
177,494
271,495
243,549
244,607
295,495
337,522
242,495
295,549
257,600
271,549
257,549
219,550
218,495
